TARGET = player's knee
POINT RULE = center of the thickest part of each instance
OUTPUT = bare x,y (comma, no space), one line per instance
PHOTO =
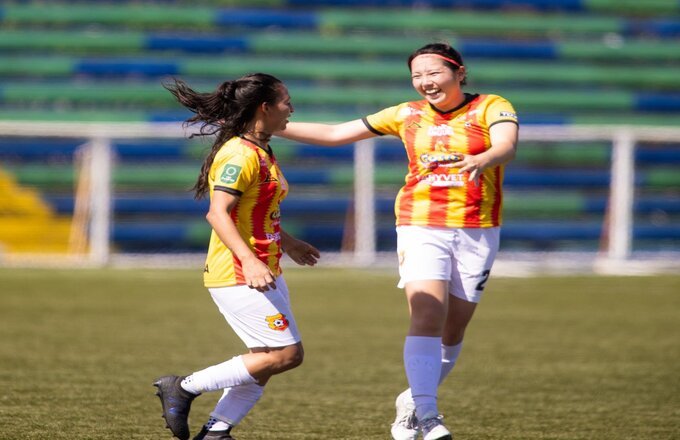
288,358
294,357
427,316
425,327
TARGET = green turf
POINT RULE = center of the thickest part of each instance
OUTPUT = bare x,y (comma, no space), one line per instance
545,358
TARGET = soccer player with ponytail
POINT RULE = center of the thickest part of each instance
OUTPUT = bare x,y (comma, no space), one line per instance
242,271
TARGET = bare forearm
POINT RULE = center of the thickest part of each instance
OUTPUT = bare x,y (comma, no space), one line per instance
503,138
498,155
226,230
326,134
286,240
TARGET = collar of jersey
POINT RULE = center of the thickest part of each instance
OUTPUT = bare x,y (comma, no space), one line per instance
468,98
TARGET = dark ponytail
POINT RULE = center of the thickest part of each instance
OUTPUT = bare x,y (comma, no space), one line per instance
224,112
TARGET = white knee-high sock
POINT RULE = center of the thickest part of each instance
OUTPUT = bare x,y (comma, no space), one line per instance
218,377
450,355
422,361
237,402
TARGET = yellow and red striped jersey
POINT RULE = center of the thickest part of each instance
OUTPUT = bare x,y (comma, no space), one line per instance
435,193
242,168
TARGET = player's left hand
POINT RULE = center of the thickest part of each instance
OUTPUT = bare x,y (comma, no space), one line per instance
472,165
302,252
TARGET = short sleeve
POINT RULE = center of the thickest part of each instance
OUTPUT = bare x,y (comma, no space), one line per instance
384,122
236,172
500,110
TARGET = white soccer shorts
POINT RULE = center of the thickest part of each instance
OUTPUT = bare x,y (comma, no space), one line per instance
461,256
259,319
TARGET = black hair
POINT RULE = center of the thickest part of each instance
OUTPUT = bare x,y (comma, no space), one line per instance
224,112
443,49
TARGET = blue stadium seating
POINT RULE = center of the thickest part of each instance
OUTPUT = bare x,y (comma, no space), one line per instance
620,59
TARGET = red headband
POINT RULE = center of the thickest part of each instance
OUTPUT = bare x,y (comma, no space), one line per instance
450,60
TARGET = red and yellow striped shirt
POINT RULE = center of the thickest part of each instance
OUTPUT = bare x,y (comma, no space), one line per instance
435,193
244,169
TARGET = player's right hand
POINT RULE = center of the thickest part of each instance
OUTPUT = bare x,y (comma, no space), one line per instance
258,275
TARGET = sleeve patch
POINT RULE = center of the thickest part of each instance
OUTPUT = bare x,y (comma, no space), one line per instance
230,174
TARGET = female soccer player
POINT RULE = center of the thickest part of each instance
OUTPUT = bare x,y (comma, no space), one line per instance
242,270
448,215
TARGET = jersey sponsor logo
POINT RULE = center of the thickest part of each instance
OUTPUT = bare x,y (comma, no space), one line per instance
230,174
277,322
508,115
440,130
442,180
275,217
276,236
439,158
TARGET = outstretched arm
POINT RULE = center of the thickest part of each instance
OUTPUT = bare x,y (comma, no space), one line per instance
326,134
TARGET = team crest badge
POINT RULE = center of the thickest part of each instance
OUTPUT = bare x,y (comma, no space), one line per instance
277,322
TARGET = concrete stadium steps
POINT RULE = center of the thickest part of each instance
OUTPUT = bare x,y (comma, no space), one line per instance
111,71
134,42
463,22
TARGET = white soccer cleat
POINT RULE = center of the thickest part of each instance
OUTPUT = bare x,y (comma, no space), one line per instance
405,426
434,429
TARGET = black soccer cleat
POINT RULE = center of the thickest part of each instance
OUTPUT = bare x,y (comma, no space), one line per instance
176,402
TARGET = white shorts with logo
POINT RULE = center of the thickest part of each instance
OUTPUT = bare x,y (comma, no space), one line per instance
461,256
259,319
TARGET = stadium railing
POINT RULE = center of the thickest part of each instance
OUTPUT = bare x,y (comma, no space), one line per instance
367,204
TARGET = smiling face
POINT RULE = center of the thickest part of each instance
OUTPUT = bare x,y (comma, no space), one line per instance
436,82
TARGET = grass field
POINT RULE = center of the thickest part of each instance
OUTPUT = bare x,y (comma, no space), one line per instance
592,358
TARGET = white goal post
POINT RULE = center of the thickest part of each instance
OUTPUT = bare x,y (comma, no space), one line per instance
99,136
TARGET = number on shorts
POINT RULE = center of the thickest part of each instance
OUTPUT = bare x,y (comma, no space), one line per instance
485,278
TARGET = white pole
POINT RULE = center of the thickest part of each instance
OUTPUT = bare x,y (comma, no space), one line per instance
100,201
364,202
622,189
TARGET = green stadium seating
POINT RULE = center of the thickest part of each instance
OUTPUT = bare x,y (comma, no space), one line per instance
558,61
